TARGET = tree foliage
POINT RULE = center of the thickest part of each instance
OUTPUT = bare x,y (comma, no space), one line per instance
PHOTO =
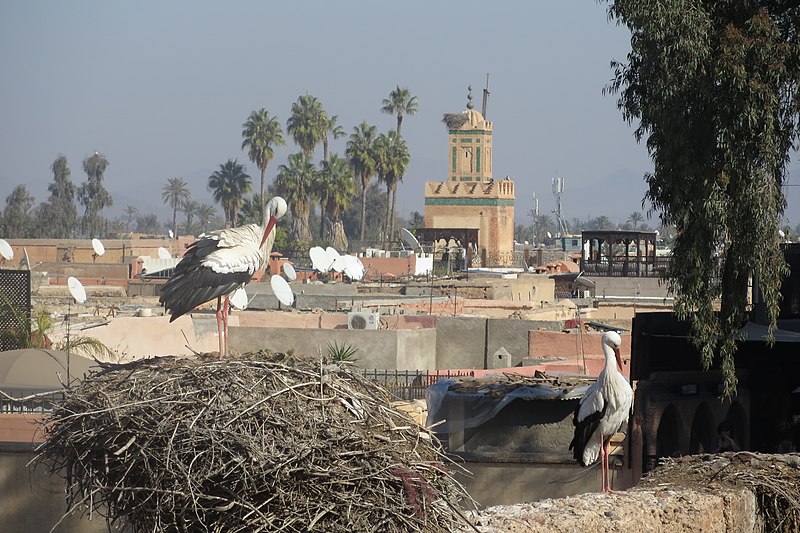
93,195
391,158
228,185
309,123
259,134
714,88
175,194
58,217
295,182
400,103
17,215
360,153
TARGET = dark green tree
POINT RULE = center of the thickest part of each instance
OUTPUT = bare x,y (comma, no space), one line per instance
206,214
189,208
309,123
294,183
713,88
93,195
229,185
391,161
400,103
58,217
17,216
130,216
148,224
360,153
336,189
335,131
351,218
260,133
175,193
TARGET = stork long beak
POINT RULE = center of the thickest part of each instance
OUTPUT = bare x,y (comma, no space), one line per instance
270,225
619,359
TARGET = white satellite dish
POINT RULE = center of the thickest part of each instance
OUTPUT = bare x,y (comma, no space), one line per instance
163,253
282,290
409,239
288,269
353,267
339,263
549,236
171,235
238,299
6,252
319,259
333,255
98,247
76,289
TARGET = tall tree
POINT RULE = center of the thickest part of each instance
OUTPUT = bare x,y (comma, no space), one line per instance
60,215
360,153
130,216
634,219
175,193
714,88
189,208
228,186
17,216
392,158
335,130
308,125
250,212
400,103
148,224
93,195
260,133
294,184
335,191
351,218
206,214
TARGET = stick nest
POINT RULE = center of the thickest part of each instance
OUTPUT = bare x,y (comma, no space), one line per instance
247,444
774,479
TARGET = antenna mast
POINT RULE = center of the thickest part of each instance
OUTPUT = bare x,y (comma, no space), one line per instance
558,190
486,94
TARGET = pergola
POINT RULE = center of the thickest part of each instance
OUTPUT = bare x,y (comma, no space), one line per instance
610,253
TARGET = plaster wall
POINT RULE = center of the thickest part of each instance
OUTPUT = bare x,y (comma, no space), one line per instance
460,342
619,286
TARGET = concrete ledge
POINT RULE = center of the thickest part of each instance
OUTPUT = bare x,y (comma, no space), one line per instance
637,510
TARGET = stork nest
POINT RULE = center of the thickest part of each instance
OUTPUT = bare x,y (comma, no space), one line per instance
454,121
247,444
774,479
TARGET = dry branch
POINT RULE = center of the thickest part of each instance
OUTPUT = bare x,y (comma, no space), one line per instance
245,445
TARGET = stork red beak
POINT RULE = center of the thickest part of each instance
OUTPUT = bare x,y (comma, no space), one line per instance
270,225
619,358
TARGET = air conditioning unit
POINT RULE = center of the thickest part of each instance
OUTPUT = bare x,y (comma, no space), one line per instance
362,320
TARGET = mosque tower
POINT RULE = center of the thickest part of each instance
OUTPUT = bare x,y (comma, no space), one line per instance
471,198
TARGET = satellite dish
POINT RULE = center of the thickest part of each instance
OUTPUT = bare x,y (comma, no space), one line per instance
409,239
332,256
282,290
163,253
98,247
288,269
549,236
76,289
171,235
238,299
353,267
319,259
339,264
6,252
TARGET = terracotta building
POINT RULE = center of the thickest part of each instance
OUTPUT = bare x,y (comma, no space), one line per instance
471,199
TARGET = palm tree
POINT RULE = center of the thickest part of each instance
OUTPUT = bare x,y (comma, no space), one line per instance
189,208
308,124
335,191
228,186
634,219
400,103
261,132
130,215
294,183
361,155
174,194
335,130
206,213
250,212
391,161
601,222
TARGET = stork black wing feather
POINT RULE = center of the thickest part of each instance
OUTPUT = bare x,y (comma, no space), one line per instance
584,430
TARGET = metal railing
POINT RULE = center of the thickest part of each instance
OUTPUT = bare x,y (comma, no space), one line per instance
39,405
409,384
620,268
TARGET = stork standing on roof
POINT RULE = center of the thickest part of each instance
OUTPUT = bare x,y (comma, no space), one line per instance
603,409
217,264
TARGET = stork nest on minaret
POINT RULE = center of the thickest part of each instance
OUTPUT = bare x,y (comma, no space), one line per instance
455,120
244,445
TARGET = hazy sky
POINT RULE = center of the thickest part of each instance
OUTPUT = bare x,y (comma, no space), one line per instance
162,89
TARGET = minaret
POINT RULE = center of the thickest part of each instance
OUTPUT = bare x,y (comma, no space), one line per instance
470,143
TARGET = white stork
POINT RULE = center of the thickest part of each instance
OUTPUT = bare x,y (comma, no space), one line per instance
219,263
603,409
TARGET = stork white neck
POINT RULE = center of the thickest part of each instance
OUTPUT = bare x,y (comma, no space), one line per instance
613,358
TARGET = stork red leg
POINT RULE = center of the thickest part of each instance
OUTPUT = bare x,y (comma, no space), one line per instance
219,326
225,309
607,480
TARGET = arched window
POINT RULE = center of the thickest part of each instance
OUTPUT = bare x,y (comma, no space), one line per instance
704,430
